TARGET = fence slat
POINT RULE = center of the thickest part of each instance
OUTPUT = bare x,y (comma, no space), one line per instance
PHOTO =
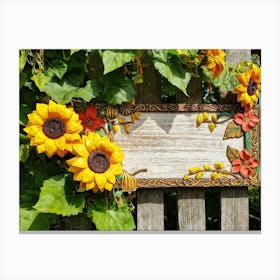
234,209
191,209
150,209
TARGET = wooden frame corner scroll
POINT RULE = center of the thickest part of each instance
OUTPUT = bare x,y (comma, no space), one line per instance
171,140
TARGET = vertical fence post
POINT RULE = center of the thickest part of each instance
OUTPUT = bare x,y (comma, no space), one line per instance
150,202
235,201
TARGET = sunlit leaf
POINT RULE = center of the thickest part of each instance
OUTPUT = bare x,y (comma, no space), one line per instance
114,59
58,198
23,152
22,59
233,130
31,219
170,67
72,51
40,79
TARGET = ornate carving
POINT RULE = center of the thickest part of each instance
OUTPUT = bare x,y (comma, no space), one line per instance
177,182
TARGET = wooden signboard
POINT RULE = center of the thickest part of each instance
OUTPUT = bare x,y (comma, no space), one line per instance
167,141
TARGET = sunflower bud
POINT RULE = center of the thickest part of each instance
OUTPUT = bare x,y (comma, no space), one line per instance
137,115
214,117
207,166
218,165
199,119
121,120
132,117
214,175
186,177
205,116
199,175
126,128
211,126
116,128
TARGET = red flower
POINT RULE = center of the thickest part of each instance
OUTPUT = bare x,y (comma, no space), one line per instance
244,164
247,120
89,119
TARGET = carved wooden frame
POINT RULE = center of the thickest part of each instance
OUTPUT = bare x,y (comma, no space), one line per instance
222,182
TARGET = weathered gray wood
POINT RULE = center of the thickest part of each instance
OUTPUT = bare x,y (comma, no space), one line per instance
234,209
150,202
167,144
150,209
235,202
191,209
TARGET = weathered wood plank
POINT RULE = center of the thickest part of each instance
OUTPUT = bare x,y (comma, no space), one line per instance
191,209
150,209
234,209
235,202
167,144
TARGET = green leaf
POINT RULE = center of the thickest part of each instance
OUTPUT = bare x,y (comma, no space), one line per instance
57,197
112,219
58,68
40,79
232,153
170,67
114,59
248,140
23,152
65,92
74,51
22,79
24,110
233,130
22,59
31,219
116,89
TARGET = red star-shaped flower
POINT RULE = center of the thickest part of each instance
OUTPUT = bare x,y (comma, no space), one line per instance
247,120
89,119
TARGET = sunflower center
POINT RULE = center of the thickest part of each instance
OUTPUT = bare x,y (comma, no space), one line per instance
54,128
98,162
252,87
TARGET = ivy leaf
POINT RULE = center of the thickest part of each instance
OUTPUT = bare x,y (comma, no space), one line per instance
248,140
116,88
114,59
57,197
23,152
22,59
65,92
170,67
110,219
72,51
233,130
41,79
232,153
31,219
24,110
58,68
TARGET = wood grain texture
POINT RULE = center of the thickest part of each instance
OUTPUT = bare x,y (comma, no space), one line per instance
168,144
150,209
234,209
191,209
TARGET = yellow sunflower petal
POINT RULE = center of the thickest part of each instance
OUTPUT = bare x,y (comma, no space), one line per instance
108,186
111,177
72,137
100,180
91,185
95,189
31,130
61,153
50,147
42,110
80,150
34,118
40,138
79,162
116,157
116,169
53,109
60,143
88,175
75,169
73,127
41,148
66,114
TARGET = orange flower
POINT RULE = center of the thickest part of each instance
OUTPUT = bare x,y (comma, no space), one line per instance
89,119
215,62
247,120
244,164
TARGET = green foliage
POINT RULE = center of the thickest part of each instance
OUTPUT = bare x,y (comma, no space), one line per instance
114,59
169,66
112,217
233,130
57,197
31,219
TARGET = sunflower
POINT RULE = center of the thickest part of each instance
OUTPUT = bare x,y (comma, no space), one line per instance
97,162
215,62
53,128
248,90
